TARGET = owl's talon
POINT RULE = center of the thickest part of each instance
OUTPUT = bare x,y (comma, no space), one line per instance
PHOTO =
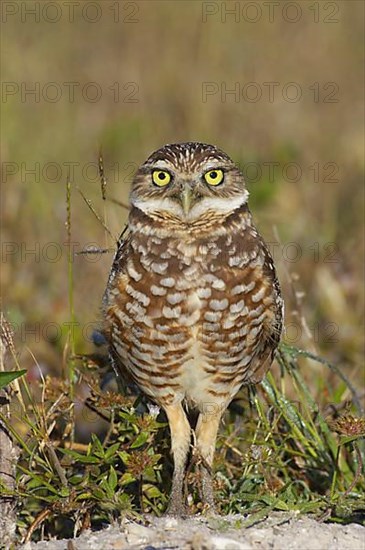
177,510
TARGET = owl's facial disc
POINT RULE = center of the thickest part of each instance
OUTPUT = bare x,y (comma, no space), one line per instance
188,181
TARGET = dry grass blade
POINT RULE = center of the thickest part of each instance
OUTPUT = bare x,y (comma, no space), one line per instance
97,216
40,518
6,339
102,175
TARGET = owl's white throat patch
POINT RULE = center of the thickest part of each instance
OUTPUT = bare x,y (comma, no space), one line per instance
158,205
218,205
222,205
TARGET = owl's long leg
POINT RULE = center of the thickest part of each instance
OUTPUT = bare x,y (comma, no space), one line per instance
206,435
180,443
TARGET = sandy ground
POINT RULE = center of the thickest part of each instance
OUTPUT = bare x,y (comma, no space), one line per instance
279,532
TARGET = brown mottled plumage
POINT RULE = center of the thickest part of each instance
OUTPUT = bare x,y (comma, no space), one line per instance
193,308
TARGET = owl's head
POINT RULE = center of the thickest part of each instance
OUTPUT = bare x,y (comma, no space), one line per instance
187,181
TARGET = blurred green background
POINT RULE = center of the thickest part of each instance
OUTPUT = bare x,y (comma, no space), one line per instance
132,76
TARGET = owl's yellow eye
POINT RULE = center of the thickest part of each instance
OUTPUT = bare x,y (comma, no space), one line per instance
214,177
161,177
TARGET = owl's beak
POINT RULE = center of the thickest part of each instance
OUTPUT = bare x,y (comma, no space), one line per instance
187,199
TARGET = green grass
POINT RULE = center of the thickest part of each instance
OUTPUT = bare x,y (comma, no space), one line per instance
274,453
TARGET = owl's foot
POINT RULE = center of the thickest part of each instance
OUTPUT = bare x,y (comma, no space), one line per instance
206,488
176,505
177,509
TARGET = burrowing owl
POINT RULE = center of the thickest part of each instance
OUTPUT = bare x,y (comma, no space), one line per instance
193,308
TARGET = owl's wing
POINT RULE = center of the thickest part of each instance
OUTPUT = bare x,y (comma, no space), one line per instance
261,362
118,267
272,331
118,262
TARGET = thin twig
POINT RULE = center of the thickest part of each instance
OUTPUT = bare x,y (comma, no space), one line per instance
38,521
56,464
98,217
102,174
95,410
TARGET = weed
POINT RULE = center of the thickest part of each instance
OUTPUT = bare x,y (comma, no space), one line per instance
284,454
